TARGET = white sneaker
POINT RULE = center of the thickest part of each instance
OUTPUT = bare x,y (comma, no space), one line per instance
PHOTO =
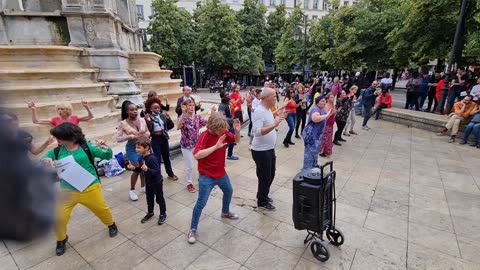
133,195
142,189
192,237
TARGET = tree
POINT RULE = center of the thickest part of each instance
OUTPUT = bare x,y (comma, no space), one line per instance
289,51
253,37
218,35
322,40
275,24
172,34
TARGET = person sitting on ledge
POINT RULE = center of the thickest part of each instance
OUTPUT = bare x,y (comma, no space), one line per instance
474,126
461,110
384,101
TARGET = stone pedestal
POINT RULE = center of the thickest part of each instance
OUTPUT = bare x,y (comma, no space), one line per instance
113,65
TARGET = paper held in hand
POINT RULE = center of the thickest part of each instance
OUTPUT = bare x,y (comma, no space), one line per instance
69,170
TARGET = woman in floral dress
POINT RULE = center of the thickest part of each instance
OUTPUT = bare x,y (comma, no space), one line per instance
327,140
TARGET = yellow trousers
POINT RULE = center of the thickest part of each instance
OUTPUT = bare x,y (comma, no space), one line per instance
91,197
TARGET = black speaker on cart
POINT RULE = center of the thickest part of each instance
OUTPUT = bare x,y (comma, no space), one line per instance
312,200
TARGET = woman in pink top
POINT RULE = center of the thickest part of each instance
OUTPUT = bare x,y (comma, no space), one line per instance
65,114
327,140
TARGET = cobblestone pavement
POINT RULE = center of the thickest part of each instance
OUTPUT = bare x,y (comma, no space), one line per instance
406,200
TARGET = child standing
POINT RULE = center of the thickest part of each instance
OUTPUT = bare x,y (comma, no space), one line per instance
210,153
153,180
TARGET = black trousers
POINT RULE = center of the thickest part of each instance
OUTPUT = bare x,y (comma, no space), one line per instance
162,150
379,109
301,117
431,99
239,115
339,132
265,162
367,113
250,124
155,191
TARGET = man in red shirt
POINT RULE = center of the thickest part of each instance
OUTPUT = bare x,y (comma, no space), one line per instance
237,101
210,152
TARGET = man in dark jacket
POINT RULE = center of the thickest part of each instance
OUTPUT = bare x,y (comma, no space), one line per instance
187,91
368,102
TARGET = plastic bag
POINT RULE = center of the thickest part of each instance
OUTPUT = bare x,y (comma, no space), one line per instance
111,167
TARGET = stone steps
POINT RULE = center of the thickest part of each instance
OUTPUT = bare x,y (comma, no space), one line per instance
162,87
28,77
46,93
40,57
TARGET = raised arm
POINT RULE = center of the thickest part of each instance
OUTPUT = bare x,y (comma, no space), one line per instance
35,118
90,114
37,150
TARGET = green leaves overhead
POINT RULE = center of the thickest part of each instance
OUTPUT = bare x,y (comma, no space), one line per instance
289,51
172,34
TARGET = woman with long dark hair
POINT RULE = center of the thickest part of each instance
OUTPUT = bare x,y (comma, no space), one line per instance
291,107
343,111
130,129
72,143
301,99
159,123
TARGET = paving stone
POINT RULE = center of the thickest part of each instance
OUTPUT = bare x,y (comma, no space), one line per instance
237,245
178,254
7,263
125,256
387,225
268,256
211,259
258,224
434,239
150,263
364,260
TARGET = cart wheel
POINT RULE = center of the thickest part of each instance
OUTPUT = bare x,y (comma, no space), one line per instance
319,251
335,236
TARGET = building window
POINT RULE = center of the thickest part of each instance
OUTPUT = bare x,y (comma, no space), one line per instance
346,3
315,4
314,18
325,5
140,12
305,4
282,2
260,2
272,3
154,12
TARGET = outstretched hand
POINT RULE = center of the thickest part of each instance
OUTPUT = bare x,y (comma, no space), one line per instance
85,104
220,142
31,105
237,125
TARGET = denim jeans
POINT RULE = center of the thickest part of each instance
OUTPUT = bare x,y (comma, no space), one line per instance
205,186
421,99
475,127
291,118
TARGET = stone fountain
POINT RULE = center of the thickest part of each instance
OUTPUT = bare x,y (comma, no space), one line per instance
68,50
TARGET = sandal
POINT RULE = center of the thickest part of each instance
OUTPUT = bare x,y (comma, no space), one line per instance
173,177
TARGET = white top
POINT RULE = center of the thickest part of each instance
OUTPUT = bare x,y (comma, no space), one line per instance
386,81
261,118
255,103
475,91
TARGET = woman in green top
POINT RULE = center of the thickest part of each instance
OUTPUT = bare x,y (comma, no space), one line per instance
72,142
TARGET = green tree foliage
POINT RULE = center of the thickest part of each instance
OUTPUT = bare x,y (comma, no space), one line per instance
218,35
322,43
253,37
172,35
289,51
275,24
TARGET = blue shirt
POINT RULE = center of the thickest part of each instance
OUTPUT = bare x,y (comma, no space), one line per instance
424,85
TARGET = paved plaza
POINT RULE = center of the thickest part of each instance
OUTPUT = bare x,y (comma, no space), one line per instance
407,199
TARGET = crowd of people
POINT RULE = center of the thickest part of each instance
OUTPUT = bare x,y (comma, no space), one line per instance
311,112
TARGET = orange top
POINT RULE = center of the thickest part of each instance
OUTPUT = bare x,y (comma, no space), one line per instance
457,107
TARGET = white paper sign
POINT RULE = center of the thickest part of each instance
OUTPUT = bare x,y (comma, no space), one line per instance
69,170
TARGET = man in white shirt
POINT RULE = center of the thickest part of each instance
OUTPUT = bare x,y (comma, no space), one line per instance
476,91
263,145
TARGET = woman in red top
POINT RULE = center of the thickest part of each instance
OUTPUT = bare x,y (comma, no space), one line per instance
65,114
236,100
291,107
385,101
438,91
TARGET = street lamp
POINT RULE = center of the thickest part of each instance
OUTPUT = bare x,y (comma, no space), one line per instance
305,18
455,55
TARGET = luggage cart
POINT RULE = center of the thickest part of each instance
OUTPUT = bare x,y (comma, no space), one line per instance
314,209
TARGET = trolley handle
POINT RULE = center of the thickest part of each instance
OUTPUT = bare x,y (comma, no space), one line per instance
330,164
